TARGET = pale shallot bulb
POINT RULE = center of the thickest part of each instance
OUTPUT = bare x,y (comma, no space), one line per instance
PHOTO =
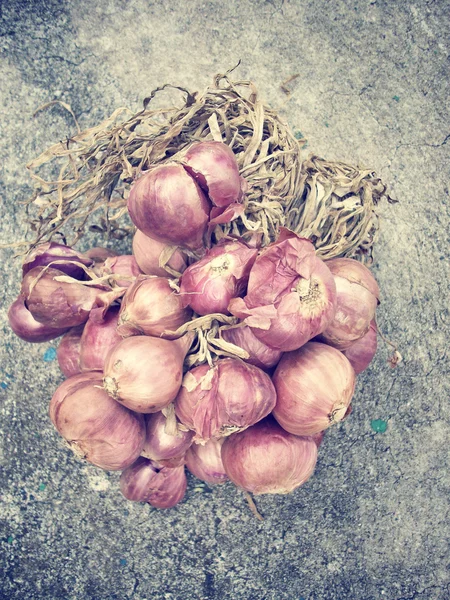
153,257
124,267
356,302
314,385
68,352
163,445
96,427
230,396
208,285
266,459
68,260
145,481
168,205
213,165
144,373
27,328
260,354
98,338
291,295
361,352
151,307
205,461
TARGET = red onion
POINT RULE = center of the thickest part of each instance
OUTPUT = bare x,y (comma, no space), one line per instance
26,327
66,258
291,294
99,337
153,257
213,165
361,352
151,307
124,266
314,385
357,299
169,206
96,427
161,446
146,482
229,397
209,284
266,459
261,355
205,462
144,373
68,353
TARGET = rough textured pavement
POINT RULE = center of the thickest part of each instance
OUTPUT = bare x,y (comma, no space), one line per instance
373,522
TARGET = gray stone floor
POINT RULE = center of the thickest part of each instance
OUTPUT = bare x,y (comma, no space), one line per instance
373,522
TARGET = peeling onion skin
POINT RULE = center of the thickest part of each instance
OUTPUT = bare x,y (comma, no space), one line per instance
266,459
261,355
144,481
205,462
357,297
98,338
27,328
168,205
230,396
148,253
168,450
124,265
96,427
314,385
361,352
67,258
68,352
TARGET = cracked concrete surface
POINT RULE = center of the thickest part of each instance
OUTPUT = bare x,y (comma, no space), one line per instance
373,522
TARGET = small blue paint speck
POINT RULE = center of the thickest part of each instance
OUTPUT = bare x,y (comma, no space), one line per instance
42,487
3,385
378,425
123,562
396,98
126,512
50,354
10,539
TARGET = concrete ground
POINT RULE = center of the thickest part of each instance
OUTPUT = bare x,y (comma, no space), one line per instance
373,522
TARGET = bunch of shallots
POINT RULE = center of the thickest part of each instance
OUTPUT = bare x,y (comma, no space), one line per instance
290,332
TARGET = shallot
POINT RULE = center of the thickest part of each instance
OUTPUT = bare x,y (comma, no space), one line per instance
26,327
68,353
157,258
163,446
205,461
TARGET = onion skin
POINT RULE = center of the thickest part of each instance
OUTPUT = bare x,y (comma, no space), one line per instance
144,373
291,295
150,253
168,205
144,481
96,427
230,396
266,459
98,338
205,462
261,355
159,446
67,258
208,285
213,165
125,266
314,385
151,307
68,352
356,302
361,352
99,254
27,328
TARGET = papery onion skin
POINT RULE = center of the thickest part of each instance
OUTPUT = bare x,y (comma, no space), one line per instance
168,205
99,254
261,355
168,450
361,352
205,462
68,352
66,257
144,481
149,253
98,338
27,328
209,284
291,295
96,427
122,266
230,396
57,303
356,302
266,459
314,385
213,165
151,307
144,373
